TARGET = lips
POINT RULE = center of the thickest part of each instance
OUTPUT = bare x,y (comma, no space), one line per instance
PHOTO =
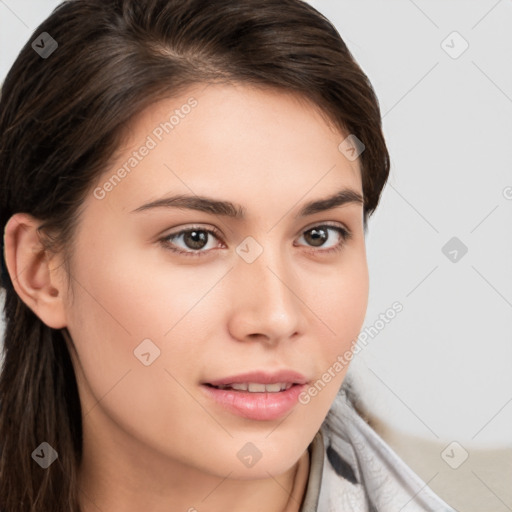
283,377
258,395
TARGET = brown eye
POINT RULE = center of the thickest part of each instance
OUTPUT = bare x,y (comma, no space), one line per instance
193,241
319,235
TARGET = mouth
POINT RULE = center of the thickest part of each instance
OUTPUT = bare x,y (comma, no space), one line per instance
256,387
257,395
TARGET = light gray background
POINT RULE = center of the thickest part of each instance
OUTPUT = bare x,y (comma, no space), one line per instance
442,367
440,370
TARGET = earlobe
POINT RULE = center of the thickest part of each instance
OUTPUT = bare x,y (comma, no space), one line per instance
29,268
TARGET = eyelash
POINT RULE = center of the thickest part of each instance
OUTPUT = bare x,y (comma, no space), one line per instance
345,234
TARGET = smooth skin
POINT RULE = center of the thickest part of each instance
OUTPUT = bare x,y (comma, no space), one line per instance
153,440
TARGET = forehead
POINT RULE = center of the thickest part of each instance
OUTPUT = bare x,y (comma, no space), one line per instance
235,142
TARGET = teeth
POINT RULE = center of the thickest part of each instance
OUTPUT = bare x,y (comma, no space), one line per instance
260,388
254,387
239,387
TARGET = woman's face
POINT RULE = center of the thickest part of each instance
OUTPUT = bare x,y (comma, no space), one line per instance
265,291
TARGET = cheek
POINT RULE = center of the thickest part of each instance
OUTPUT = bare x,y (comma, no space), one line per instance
105,320
341,310
341,302
127,305
116,311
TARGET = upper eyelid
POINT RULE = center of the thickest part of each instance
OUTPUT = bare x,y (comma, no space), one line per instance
331,224
216,231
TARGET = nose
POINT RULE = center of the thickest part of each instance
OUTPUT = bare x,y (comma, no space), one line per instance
266,299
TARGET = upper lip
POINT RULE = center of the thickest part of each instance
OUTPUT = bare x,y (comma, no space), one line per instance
261,377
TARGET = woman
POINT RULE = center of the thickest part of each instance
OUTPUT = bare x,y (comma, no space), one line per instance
185,192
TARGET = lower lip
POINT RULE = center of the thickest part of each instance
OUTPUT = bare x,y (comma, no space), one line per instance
256,406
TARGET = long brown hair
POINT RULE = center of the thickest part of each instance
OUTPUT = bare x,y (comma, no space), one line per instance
62,118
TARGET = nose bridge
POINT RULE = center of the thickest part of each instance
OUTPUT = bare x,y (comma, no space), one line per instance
265,299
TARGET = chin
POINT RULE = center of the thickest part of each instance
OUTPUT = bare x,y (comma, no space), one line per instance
251,460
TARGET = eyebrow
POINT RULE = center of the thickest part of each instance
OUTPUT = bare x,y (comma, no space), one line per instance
236,211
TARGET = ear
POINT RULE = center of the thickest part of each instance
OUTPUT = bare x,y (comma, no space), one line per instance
38,286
